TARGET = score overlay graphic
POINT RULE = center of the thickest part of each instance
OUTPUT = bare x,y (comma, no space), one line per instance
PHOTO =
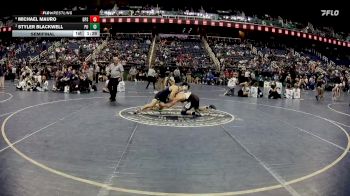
56,26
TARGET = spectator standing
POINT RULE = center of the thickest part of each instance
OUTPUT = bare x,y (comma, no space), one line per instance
253,77
2,77
151,77
90,74
14,73
115,72
231,86
97,72
177,75
320,88
188,76
247,75
162,73
132,73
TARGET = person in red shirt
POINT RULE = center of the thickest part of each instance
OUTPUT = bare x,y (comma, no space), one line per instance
85,66
232,74
227,74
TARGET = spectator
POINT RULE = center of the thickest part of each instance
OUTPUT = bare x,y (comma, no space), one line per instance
231,86
43,85
151,77
161,78
177,75
2,77
320,88
14,73
247,76
336,92
273,93
97,72
133,73
244,91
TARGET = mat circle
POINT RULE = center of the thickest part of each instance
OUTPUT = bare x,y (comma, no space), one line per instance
8,98
173,118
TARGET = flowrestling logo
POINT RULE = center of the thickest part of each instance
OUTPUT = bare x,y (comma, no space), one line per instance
173,118
330,12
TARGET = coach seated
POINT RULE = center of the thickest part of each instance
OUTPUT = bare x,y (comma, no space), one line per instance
273,93
311,83
42,85
26,83
67,76
84,83
59,83
73,82
255,91
210,78
244,91
64,79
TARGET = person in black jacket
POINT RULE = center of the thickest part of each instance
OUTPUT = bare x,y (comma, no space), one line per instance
320,87
161,77
273,93
2,76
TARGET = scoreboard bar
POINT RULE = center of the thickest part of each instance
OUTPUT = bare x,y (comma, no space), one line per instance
56,26
50,19
55,33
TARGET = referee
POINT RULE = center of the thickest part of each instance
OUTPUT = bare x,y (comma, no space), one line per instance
115,72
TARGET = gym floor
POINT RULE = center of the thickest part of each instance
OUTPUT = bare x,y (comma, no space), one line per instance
78,144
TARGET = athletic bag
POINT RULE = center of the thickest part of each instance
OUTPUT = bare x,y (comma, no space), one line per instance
121,86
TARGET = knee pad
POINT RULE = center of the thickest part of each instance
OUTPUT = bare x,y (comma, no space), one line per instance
183,112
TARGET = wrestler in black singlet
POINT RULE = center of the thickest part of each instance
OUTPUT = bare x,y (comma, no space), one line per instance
163,95
192,102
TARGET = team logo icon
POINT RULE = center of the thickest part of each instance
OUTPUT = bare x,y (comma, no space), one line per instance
173,118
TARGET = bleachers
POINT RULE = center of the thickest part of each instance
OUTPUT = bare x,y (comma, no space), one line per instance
230,52
32,49
183,52
131,48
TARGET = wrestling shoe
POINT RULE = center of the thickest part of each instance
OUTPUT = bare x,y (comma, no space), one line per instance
137,111
212,107
196,114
